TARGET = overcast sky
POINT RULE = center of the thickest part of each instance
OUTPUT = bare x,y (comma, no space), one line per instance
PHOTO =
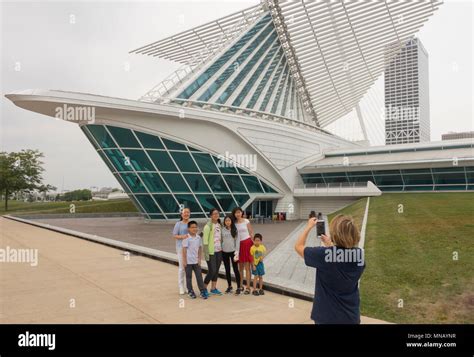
91,55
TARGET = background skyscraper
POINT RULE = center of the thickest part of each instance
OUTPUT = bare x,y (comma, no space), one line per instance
407,106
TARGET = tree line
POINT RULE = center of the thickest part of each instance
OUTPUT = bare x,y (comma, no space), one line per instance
23,172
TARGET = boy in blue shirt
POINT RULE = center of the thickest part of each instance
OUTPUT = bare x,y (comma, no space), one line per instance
192,253
339,264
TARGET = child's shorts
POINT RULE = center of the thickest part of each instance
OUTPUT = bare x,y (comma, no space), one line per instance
259,270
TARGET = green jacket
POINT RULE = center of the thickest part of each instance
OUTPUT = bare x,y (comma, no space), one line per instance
208,240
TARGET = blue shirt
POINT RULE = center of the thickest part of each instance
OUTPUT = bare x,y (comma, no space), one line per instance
180,229
192,245
336,295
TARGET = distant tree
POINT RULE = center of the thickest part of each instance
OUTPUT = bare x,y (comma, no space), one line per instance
20,171
31,197
78,195
44,189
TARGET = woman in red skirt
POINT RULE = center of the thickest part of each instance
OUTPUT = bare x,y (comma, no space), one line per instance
245,234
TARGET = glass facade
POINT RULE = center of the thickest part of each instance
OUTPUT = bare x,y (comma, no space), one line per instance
243,93
231,69
214,68
459,178
162,175
262,208
265,79
252,73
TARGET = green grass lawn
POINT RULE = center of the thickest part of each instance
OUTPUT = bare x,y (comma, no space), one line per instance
356,210
19,207
409,256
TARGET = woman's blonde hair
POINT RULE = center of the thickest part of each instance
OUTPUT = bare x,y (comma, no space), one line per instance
344,232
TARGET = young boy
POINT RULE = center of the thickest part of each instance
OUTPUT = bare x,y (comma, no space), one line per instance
257,251
337,280
192,253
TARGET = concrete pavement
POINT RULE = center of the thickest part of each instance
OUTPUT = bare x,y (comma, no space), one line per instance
286,268
77,281
155,235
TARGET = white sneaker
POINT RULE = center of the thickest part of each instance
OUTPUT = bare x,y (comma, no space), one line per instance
182,291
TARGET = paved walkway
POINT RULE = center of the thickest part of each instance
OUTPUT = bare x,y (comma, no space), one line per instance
156,235
285,267
77,281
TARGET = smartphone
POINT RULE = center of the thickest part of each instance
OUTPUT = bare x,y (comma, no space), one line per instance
320,228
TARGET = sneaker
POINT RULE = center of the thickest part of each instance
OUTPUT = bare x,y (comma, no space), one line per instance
261,292
255,293
192,295
247,291
237,292
216,292
182,291
204,294
229,290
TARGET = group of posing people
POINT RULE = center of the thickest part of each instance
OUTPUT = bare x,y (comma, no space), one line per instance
231,241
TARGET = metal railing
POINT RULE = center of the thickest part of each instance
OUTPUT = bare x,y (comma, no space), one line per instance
325,186
244,111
